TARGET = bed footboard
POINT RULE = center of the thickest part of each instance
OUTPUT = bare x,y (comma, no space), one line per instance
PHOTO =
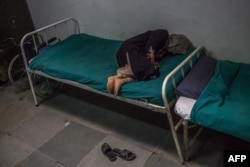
171,79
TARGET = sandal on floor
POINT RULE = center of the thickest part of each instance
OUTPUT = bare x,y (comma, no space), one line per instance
106,149
124,154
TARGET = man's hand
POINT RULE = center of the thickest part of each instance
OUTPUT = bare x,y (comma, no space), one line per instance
151,56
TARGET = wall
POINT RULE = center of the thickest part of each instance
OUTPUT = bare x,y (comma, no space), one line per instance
222,25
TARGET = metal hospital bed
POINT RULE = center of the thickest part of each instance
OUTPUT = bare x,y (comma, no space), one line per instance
157,95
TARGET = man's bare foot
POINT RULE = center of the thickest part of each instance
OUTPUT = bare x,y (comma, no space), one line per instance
110,83
117,85
118,82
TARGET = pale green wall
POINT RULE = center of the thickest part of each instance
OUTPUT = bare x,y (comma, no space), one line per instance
221,25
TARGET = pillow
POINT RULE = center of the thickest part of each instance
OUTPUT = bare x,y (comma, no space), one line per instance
196,80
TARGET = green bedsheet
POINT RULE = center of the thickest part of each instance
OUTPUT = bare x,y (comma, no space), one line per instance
224,104
90,60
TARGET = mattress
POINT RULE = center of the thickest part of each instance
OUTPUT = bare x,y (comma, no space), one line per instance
90,60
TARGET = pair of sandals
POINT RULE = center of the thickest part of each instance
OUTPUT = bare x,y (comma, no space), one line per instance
116,152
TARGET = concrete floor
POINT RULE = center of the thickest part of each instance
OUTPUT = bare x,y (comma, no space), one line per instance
68,131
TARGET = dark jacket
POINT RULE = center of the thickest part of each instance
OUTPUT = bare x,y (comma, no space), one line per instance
137,48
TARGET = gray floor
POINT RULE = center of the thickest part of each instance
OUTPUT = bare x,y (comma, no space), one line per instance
68,131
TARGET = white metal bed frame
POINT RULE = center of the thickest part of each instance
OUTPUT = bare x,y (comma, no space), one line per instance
71,26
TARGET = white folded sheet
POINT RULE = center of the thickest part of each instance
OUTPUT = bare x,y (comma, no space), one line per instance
183,107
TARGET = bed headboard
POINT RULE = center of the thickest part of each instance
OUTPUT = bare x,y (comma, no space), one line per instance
49,35
171,77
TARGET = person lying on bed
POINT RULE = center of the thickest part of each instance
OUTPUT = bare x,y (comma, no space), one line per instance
138,59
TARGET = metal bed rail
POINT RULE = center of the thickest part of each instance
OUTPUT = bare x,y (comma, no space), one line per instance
137,102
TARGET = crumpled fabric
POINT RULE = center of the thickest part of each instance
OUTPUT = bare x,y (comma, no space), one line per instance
178,44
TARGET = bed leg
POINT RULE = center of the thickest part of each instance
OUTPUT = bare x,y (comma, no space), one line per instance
34,95
188,143
32,89
185,139
175,137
